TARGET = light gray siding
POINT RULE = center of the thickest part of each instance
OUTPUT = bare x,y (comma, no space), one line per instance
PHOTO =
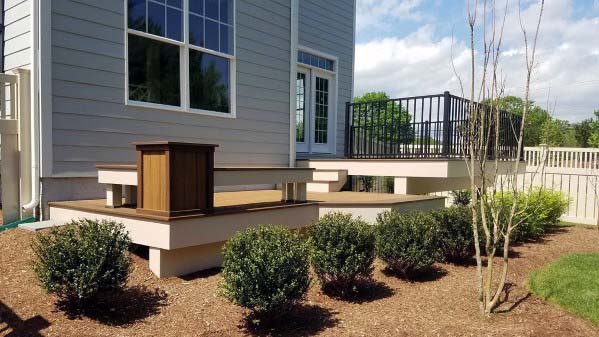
91,123
328,26
17,34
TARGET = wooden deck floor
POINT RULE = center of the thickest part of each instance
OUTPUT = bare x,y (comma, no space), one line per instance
331,198
248,201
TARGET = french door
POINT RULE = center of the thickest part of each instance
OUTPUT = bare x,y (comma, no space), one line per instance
314,111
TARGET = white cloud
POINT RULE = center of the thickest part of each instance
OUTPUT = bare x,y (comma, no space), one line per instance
567,73
375,13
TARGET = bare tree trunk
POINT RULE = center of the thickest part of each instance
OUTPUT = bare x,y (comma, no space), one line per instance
486,212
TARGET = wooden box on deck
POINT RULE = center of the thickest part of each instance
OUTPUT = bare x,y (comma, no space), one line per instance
175,179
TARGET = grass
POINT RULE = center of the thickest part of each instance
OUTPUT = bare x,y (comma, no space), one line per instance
572,282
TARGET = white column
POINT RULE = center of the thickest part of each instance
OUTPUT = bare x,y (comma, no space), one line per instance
24,109
10,178
114,195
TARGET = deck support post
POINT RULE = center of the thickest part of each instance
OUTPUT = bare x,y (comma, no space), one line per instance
114,195
401,185
287,191
130,195
301,192
183,261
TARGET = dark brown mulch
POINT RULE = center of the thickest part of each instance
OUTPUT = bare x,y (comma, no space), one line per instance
443,305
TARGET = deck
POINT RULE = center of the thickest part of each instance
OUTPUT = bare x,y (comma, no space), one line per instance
187,243
251,201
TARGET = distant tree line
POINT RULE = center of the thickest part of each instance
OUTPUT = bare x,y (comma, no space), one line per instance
542,128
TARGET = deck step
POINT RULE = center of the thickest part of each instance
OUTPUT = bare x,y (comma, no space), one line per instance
328,181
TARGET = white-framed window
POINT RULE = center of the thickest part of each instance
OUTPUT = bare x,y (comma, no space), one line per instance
180,55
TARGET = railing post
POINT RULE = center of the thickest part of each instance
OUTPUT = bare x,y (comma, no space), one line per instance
446,123
348,135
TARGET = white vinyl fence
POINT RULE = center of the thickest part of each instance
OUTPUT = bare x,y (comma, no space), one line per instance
573,171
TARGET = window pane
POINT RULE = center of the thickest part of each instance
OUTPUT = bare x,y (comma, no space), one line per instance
314,60
156,19
226,39
212,9
300,110
174,24
212,35
175,3
306,58
330,65
154,72
209,82
196,30
226,11
321,117
196,6
137,14
322,63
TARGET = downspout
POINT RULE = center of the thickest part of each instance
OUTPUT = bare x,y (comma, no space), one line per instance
35,118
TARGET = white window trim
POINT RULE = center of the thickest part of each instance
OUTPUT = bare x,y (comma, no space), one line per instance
334,104
184,48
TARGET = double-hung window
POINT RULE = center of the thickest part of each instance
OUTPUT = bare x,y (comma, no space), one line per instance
181,53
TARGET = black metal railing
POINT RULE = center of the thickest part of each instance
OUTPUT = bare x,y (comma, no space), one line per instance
432,126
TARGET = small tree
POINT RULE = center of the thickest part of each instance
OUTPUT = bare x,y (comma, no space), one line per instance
492,222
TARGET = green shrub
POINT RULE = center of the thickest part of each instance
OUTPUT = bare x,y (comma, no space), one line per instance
407,243
456,238
367,183
536,212
544,209
78,261
342,251
461,198
266,269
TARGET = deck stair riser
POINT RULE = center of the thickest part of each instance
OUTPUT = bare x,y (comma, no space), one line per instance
328,181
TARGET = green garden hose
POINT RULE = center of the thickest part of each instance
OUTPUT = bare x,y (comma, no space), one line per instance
16,224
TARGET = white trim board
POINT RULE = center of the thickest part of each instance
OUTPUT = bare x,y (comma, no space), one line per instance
294,36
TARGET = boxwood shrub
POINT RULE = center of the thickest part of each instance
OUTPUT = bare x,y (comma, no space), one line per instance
408,243
456,238
78,261
266,270
342,251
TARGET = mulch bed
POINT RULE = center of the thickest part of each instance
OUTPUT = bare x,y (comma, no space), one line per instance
443,304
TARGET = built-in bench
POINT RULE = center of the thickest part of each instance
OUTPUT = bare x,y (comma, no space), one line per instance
121,181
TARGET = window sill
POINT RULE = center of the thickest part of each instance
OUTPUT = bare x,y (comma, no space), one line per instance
164,107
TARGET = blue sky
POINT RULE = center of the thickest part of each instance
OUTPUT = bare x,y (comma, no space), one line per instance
405,47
